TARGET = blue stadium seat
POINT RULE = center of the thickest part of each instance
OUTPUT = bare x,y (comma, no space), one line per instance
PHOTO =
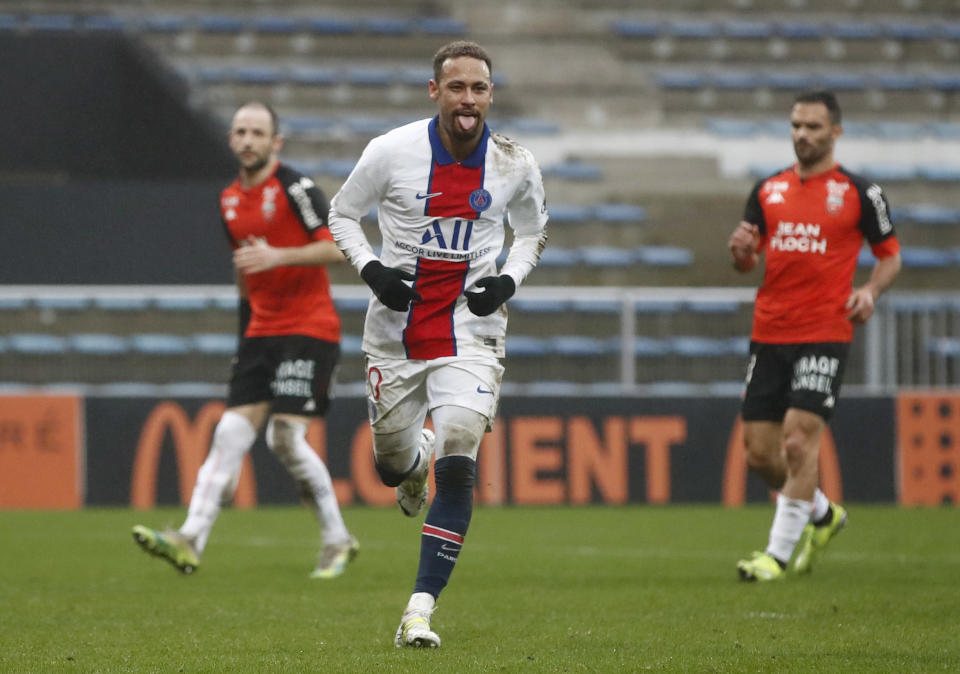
351,345
529,126
607,256
275,24
944,346
314,75
104,23
387,25
13,303
539,306
181,302
650,347
418,76
267,75
923,257
854,30
36,343
843,80
332,25
553,256
592,306
789,81
742,29
950,30
121,303
658,306
665,256
887,173
62,303
568,213
712,307
9,22
800,30
369,76
225,302
441,25
928,214
214,343
696,346
737,79
219,23
736,128
896,81
574,170
692,28
908,30
901,130
618,213
681,79
738,345
159,344
938,173
943,81
629,28
524,345
577,346
98,344
52,22
163,23
347,304
949,130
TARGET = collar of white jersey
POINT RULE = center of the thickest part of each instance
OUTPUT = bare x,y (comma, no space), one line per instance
442,157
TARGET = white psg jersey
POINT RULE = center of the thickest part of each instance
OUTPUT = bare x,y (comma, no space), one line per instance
442,220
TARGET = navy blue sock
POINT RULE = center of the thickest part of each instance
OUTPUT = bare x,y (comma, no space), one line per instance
447,520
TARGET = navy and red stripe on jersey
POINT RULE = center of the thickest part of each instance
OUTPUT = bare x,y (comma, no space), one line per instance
287,209
812,230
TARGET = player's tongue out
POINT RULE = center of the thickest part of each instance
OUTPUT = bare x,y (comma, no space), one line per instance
467,122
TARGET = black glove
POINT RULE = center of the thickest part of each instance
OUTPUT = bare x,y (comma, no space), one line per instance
388,285
498,290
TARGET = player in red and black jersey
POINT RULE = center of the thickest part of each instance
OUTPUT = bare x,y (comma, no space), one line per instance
810,221
276,221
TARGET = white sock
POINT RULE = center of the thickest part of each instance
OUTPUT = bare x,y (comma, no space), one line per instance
791,517
288,441
218,476
821,504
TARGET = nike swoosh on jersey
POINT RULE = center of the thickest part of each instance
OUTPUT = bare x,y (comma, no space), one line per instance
428,195
480,389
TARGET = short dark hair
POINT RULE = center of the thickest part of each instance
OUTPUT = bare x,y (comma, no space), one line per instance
457,49
827,98
274,120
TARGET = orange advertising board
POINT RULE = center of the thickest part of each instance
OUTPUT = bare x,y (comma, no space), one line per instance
41,451
928,447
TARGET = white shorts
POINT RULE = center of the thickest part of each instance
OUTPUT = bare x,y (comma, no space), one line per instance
400,392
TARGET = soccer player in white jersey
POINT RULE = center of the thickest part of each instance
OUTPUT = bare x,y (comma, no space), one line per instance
443,188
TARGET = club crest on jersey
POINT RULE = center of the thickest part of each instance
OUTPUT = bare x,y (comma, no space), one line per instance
775,190
268,207
480,200
835,192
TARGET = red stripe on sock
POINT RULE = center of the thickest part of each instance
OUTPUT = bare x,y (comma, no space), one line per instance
445,534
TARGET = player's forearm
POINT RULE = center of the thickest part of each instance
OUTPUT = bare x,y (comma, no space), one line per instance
351,240
883,274
524,255
313,254
746,263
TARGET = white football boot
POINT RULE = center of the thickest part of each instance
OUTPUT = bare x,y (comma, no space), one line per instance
412,494
414,627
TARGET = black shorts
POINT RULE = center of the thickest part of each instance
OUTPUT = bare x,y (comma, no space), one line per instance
804,376
293,372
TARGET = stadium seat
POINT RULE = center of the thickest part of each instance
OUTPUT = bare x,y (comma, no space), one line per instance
104,23
650,347
64,303
692,28
681,79
524,345
593,306
163,23
658,306
560,257
121,303
387,25
938,173
36,343
539,306
927,214
887,173
441,25
578,346
368,76
182,302
9,22
98,344
159,344
568,213
351,303
842,80
607,256
573,170
618,213
742,29
351,345
332,25
908,30
57,23
788,81
800,30
736,128
925,257
711,307
736,79
636,29
264,75
664,256
214,343
13,303
314,75
219,23
275,25
685,345
944,346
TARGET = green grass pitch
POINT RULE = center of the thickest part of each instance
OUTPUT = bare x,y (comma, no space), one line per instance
588,589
